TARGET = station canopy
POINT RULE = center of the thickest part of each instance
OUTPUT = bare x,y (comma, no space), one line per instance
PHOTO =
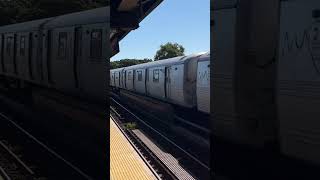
126,16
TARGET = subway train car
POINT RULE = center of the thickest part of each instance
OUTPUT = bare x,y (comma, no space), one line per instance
67,53
299,79
266,74
182,81
244,71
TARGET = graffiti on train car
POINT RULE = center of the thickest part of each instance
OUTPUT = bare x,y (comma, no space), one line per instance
204,75
310,41
292,44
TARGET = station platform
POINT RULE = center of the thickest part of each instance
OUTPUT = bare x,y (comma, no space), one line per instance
125,162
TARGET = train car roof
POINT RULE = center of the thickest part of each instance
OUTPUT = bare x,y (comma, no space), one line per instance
175,60
205,57
25,26
97,15
117,69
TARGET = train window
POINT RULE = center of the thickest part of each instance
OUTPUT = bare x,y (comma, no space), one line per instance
139,75
62,51
129,75
96,44
22,45
156,75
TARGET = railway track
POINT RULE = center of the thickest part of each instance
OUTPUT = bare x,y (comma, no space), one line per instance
11,166
3,174
170,165
22,156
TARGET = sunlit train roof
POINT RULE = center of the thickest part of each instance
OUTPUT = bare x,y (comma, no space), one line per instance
126,16
164,62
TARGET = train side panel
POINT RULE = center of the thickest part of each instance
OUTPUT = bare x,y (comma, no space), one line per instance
299,79
224,107
203,85
245,41
66,52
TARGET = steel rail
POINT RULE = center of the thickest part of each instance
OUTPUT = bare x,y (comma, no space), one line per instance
76,169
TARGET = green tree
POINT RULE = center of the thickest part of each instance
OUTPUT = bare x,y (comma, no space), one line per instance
127,62
169,50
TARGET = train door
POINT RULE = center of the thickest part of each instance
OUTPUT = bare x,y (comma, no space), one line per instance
22,55
44,61
140,81
176,85
31,56
133,80
129,80
122,79
147,82
125,79
123,76
35,59
93,63
119,79
77,53
9,54
62,63
167,83
114,79
15,39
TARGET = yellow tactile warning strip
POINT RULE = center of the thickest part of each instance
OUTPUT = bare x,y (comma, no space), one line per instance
125,163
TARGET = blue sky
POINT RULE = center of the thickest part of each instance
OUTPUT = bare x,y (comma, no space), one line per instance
186,22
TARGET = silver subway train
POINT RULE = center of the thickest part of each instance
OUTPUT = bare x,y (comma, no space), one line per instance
182,81
64,53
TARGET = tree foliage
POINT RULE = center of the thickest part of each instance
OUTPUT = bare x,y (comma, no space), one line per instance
127,62
169,50
15,11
